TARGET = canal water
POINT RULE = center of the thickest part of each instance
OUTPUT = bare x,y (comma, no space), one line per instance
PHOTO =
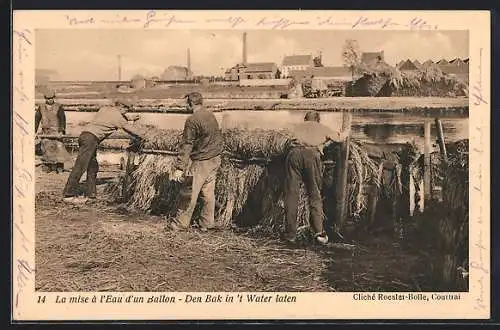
377,127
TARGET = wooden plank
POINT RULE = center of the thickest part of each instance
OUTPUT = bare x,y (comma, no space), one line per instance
341,173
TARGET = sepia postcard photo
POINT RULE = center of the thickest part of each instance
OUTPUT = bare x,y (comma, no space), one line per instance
250,165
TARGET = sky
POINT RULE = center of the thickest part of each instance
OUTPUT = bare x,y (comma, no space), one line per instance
92,54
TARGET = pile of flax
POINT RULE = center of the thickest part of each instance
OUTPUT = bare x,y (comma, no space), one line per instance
252,167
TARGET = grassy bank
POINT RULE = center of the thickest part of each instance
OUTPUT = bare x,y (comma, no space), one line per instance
419,105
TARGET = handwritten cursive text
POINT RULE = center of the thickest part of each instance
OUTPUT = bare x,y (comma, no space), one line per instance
232,21
477,88
152,17
280,23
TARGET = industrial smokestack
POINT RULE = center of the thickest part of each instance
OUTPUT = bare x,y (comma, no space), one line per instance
244,48
189,60
119,68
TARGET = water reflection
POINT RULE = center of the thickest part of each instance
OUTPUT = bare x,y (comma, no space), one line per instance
370,127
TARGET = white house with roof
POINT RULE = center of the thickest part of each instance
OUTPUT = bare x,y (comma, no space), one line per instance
296,63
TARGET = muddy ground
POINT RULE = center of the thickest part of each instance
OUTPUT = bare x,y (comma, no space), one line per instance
106,247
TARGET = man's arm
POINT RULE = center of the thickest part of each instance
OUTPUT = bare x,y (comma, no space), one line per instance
38,118
61,116
123,123
133,130
188,137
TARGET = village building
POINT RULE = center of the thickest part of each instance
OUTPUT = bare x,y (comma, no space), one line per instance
177,73
335,78
370,58
332,73
300,74
234,73
265,70
138,82
296,64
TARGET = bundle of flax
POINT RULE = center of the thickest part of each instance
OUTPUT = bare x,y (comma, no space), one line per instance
249,187
256,143
454,222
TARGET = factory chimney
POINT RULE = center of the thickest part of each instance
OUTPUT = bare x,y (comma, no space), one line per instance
119,68
244,48
189,60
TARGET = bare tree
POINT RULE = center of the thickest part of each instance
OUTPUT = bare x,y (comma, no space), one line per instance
351,54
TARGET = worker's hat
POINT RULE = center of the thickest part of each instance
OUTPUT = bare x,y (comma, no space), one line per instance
49,94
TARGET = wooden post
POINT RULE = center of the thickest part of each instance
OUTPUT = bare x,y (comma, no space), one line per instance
444,155
341,173
440,136
427,161
412,193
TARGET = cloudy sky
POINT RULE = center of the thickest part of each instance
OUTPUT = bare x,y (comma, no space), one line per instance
92,54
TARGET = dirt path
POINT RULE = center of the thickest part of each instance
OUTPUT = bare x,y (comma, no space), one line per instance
104,247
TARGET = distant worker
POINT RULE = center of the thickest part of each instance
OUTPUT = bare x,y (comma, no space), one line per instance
52,118
303,162
202,144
108,120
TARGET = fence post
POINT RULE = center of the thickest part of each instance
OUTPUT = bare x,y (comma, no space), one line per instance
442,150
440,136
342,164
427,161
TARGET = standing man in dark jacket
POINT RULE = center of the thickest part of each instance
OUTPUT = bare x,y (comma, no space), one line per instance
52,118
303,162
202,144
108,120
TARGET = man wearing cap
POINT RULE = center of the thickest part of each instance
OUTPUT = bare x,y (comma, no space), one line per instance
108,120
202,144
52,118
303,162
